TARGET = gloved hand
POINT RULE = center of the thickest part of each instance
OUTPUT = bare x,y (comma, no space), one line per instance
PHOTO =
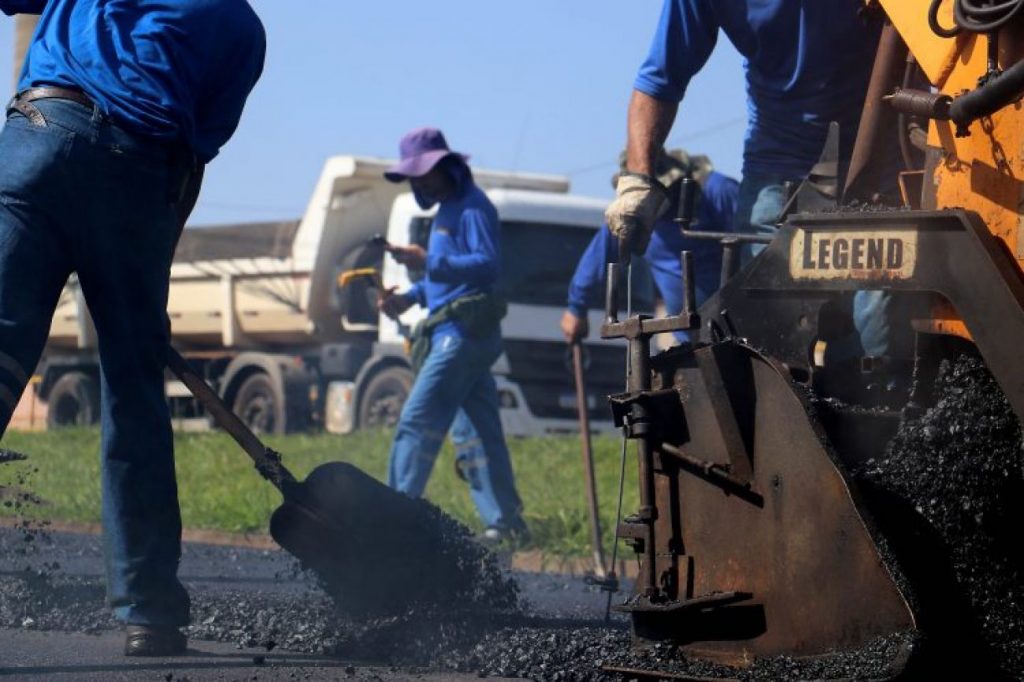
640,201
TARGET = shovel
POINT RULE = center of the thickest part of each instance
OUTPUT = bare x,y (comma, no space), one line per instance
375,551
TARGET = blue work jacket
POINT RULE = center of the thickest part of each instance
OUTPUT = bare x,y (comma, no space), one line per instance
176,71
807,63
463,251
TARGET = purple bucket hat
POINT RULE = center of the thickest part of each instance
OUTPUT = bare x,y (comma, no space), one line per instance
420,151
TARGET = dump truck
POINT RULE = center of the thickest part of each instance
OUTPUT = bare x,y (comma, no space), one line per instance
794,507
259,310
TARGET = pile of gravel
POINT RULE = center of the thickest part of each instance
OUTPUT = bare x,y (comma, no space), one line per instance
952,482
380,552
595,653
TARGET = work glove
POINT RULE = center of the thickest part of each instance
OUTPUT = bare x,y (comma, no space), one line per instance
639,203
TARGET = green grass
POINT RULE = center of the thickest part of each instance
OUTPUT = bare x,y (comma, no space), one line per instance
219,489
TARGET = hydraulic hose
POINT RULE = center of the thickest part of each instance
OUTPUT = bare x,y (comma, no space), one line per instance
999,89
975,16
997,93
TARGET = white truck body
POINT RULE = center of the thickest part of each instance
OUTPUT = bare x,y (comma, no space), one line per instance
258,307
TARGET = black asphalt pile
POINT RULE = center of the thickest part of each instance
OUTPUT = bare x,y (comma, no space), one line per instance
949,496
432,564
549,652
42,599
282,609
311,624
382,552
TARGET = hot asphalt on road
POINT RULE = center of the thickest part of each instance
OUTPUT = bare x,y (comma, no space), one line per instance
255,616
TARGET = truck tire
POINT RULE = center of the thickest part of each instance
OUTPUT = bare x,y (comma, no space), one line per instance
380,403
73,401
260,404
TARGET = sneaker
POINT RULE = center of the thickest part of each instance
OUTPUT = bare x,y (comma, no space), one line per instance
154,640
499,535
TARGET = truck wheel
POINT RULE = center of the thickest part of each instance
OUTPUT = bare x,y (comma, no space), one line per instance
74,401
260,404
382,399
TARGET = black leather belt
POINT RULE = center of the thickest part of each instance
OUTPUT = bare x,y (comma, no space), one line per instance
22,102
179,156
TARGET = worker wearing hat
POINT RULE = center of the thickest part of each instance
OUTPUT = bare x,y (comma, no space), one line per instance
456,345
714,211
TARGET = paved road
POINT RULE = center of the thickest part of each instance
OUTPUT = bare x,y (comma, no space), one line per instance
33,655
53,625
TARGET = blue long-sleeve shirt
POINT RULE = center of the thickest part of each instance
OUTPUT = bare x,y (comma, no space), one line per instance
807,63
715,212
463,251
175,71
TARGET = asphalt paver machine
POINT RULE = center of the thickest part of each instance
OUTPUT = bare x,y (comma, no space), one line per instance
753,535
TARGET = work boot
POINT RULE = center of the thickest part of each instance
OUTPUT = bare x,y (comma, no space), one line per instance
153,640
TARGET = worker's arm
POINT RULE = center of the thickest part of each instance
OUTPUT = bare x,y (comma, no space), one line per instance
417,293
393,305
685,37
591,272
587,285
478,264
11,7
412,256
650,121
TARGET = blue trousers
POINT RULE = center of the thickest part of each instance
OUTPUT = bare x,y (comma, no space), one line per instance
80,194
455,389
761,199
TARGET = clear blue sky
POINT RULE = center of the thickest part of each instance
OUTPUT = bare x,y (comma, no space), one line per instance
530,85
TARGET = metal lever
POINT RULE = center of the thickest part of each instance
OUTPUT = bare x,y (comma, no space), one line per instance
611,294
687,201
689,287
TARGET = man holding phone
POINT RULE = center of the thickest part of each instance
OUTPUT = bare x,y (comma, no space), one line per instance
456,345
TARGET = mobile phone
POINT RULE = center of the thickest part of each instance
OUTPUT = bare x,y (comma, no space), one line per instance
378,240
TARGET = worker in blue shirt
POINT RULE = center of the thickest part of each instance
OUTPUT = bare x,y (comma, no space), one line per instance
454,348
119,107
714,212
806,63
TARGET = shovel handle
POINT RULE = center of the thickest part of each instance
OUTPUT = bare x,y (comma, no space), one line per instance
268,462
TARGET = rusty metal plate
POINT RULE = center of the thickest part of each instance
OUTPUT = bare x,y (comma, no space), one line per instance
818,581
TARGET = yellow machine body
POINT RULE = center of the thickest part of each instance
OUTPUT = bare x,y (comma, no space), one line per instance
980,172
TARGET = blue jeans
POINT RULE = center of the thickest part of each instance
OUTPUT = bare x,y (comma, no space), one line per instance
761,199
80,194
455,389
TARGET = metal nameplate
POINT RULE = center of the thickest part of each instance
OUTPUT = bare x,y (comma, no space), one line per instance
860,255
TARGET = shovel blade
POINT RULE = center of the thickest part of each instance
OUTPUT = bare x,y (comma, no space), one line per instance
375,550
